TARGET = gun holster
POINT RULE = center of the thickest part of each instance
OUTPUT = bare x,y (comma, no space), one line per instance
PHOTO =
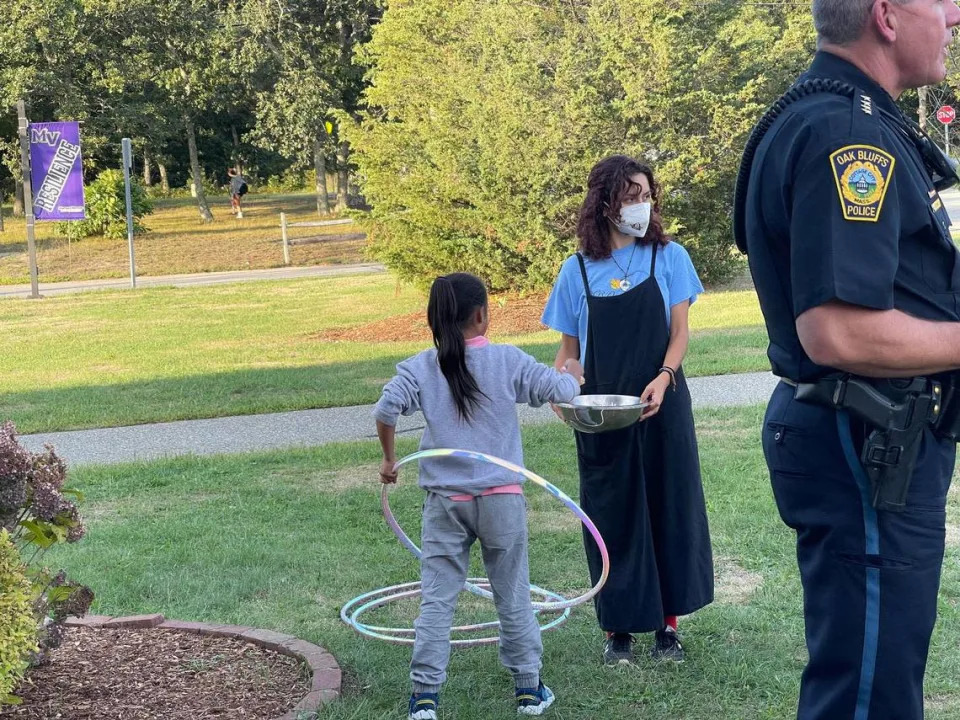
897,412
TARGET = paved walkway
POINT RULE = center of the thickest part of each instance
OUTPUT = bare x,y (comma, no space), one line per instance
313,427
211,278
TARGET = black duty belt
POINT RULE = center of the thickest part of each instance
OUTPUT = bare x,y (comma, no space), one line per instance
893,406
896,411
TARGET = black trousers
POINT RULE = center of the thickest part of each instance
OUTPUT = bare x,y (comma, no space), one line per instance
870,579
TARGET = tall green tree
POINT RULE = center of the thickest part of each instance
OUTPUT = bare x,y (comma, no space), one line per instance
312,79
179,52
50,57
298,51
484,118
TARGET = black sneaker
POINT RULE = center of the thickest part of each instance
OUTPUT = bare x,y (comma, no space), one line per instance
667,646
618,649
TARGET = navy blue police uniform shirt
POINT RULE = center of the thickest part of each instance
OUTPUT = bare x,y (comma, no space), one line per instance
840,207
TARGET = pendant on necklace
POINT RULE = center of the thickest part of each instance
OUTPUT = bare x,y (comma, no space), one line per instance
615,284
625,284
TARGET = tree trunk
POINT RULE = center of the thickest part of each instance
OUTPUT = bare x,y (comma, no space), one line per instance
18,210
924,94
1,212
343,154
320,168
195,171
164,179
237,164
147,175
343,176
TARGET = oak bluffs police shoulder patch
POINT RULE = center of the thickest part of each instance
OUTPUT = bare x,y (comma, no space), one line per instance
863,175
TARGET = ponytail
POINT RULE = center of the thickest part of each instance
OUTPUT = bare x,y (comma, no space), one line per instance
453,300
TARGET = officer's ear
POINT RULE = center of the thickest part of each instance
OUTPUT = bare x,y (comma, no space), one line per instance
884,20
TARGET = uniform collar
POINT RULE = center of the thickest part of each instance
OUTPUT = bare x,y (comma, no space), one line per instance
830,66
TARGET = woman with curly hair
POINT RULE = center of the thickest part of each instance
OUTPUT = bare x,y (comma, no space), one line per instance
621,304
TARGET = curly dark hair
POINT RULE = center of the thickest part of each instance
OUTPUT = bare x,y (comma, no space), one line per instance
607,186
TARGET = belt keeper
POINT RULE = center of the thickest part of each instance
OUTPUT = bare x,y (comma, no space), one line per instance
839,391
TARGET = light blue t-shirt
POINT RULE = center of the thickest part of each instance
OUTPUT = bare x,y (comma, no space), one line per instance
566,309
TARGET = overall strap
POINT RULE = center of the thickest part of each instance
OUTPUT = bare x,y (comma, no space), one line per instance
583,273
653,259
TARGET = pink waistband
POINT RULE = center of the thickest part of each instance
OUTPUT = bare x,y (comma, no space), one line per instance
501,490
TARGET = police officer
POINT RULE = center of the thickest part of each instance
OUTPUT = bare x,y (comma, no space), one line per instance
859,283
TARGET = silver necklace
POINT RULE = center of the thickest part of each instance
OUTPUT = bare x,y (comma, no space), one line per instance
623,283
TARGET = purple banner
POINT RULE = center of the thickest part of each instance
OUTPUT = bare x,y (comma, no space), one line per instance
56,171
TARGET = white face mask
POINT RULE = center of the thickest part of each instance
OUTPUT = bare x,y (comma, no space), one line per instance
634,219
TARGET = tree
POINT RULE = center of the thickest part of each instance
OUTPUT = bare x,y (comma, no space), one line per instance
293,105
48,58
48,55
179,52
312,77
485,116
355,20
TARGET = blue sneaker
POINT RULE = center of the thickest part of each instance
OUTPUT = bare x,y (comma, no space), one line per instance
423,706
534,702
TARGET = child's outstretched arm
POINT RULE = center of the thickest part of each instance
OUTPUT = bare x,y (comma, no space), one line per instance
401,396
538,383
387,435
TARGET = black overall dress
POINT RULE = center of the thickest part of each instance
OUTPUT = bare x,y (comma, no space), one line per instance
641,484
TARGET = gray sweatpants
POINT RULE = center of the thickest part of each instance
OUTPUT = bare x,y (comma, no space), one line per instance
449,529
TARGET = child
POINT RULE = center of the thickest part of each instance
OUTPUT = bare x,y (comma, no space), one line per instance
467,390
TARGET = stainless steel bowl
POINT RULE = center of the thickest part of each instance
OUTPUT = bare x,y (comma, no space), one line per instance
600,413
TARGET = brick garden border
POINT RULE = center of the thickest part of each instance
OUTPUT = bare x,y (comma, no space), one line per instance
324,687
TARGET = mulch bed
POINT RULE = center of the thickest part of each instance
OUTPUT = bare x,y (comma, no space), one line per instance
129,674
509,315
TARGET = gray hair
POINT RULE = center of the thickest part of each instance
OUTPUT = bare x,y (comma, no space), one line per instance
841,22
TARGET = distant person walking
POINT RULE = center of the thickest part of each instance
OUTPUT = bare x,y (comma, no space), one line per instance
238,188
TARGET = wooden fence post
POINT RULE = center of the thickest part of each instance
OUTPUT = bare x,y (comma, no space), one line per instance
286,241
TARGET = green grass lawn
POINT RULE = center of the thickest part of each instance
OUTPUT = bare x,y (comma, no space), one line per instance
281,540
178,242
120,358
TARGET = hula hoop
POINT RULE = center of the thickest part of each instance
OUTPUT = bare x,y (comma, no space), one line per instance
553,602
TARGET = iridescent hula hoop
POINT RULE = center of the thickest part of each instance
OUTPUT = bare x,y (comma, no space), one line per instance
553,602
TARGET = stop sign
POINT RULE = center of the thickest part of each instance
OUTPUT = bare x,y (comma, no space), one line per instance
946,114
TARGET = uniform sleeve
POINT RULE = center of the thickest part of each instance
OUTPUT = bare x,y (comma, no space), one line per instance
684,282
844,224
537,383
560,312
401,396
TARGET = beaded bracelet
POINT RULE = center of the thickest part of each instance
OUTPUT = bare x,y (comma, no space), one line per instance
673,376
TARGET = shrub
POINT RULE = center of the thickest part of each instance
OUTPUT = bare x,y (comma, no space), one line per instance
18,631
37,512
292,180
106,206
